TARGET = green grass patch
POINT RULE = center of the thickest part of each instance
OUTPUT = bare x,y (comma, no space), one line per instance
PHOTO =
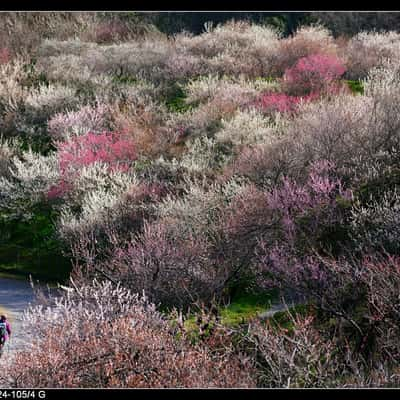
283,319
241,309
175,100
245,307
356,87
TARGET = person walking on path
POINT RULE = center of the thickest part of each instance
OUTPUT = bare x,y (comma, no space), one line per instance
5,331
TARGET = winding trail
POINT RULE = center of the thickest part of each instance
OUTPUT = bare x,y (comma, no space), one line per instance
290,301
17,295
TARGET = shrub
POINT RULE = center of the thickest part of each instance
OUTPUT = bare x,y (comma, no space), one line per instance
143,122
218,39
7,151
204,156
32,176
177,259
111,31
99,208
92,177
210,86
197,212
206,118
5,55
271,103
99,201
248,128
306,41
368,50
374,225
161,171
234,48
111,148
337,130
53,47
12,94
145,59
204,88
301,216
244,221
312,208
173,270
263,164
359,293
186,232
350,130
38,105
313,74
23,32
182,67
69,69
77,123
105,221
299,358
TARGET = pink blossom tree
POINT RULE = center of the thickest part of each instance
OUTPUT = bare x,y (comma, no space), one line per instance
116,150
296,214
313,73
5,55
270,103
111,148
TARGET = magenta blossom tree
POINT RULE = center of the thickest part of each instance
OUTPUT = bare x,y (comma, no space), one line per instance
269,103
114,149
313,73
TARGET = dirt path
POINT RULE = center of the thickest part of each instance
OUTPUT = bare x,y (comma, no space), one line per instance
17,295
279,306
